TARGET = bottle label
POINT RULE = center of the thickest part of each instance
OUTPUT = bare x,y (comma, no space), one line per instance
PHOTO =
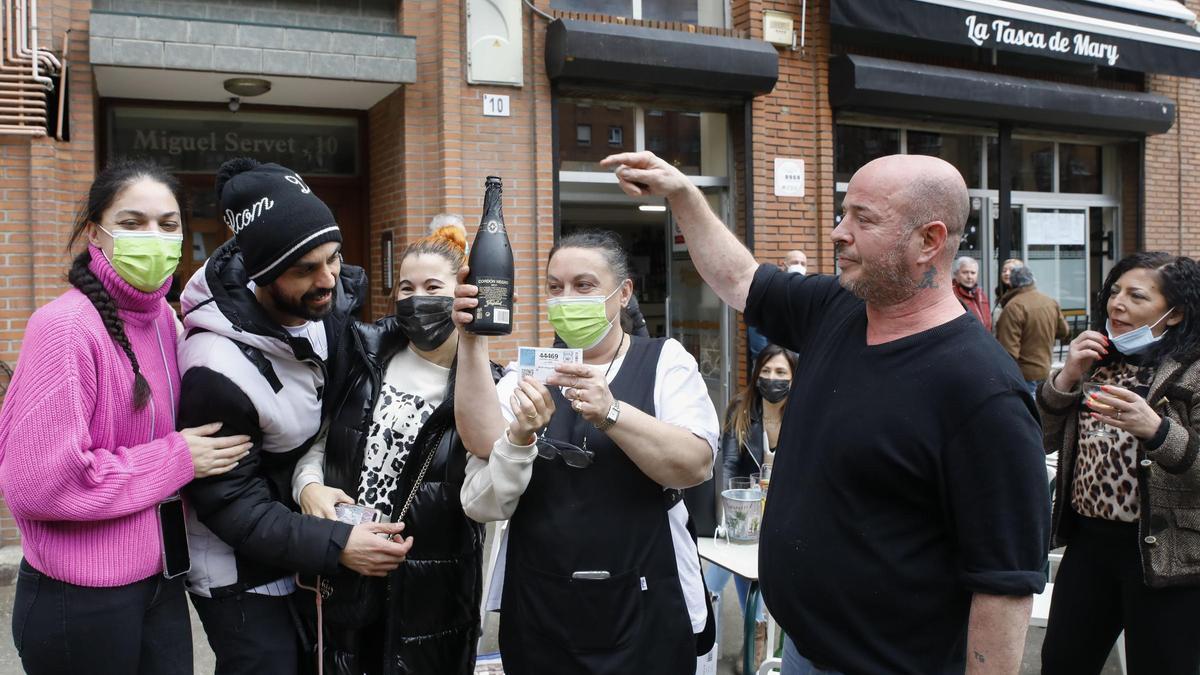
494,226
495,300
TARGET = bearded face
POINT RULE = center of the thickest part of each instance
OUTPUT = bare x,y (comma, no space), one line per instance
881,280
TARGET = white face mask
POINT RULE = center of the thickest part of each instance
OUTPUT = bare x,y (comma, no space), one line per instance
798,269
1137,340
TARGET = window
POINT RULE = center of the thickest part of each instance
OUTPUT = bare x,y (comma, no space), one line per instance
1039,164
695,142
1034,170
579,154
675,136
700,12
1080,168
963,151
858,145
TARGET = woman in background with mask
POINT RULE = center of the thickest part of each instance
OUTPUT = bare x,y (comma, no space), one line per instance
599,573
88,447
1128,498
394,417
748,443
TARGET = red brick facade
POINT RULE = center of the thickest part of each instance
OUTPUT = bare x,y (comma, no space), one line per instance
41,183
1172,171
430,147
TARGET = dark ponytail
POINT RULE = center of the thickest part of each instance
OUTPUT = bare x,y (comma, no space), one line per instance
108,184
81,277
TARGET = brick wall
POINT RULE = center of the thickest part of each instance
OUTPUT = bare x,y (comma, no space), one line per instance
793,121
1172,172
450,147
41,183
1172,169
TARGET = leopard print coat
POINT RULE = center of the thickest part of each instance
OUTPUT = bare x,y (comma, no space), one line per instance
1168,477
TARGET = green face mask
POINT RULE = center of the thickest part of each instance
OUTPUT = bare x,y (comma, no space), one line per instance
580,320
145,259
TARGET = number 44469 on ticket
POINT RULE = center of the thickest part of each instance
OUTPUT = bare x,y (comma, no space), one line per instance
540,361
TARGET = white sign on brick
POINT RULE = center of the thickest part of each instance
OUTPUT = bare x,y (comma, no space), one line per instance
495,105
789,177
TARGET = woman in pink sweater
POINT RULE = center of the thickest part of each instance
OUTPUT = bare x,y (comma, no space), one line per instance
88,447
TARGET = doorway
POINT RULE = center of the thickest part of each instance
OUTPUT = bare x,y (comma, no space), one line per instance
204,231
674,299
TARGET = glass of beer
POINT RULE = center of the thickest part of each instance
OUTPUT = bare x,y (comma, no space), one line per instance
1100,429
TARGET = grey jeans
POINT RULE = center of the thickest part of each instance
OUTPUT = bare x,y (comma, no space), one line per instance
795,664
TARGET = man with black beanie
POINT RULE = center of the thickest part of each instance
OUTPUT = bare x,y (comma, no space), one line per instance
262,320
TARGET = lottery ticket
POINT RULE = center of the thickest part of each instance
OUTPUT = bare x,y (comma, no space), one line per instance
540,361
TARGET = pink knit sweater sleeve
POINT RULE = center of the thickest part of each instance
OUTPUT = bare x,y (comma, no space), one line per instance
50,468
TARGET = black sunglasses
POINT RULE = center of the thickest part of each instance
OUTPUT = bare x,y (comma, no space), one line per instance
574,456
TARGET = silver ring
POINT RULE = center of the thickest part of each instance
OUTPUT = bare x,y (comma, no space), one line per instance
1119,414
576,404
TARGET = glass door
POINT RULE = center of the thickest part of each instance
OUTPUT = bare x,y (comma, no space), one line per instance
974,244
696,316
1056,249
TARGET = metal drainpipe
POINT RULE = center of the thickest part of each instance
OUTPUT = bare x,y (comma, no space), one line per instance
22,89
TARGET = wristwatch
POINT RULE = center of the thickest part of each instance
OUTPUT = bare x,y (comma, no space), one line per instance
610,419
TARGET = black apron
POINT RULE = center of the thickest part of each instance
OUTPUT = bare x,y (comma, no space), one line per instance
611,517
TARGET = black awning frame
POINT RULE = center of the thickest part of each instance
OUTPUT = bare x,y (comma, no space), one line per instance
1056,29
875,84
591,54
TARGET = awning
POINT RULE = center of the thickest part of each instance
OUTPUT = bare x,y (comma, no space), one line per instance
868,83
1088,32
610,55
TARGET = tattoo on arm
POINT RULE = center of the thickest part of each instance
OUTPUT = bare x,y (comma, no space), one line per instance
930,278
980,657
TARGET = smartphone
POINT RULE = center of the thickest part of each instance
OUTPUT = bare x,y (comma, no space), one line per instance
172,530
353,514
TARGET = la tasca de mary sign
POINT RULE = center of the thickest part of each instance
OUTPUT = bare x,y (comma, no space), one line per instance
1003,32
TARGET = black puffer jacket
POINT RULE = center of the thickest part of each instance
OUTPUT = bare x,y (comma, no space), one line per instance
432,608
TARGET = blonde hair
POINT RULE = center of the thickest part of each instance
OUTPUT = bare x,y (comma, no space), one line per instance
449,242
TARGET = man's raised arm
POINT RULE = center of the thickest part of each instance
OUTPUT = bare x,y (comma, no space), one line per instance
722,260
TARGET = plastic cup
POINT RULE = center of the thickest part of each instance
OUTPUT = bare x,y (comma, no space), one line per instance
739,483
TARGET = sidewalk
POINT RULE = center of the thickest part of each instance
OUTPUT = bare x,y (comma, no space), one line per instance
731,620
10,665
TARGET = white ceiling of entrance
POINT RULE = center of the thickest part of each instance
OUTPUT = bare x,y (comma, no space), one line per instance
184,85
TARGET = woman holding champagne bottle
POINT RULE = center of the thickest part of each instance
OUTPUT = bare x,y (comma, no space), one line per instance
1128,496
598,572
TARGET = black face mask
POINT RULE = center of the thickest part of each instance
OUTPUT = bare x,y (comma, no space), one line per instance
425,319
773,391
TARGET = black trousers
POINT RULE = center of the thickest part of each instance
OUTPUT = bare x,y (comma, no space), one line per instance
251,634
64,629
1099,592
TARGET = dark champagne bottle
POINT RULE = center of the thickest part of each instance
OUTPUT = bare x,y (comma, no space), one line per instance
491,264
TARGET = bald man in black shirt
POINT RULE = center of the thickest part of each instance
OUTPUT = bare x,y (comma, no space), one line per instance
908,529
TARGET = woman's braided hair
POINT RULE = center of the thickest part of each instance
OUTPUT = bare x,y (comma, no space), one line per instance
108,184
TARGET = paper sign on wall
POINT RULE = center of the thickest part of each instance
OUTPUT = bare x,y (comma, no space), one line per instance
1055,229
678,245
789,177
